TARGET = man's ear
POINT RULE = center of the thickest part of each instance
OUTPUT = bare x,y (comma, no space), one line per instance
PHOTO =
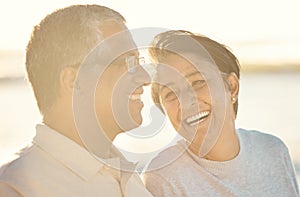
67,79
234,85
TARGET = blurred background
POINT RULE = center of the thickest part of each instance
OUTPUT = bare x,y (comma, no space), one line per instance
264,35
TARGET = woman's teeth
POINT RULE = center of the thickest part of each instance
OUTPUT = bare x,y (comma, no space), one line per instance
197,118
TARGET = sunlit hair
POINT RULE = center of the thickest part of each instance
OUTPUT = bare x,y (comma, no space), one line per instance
223,58
63,39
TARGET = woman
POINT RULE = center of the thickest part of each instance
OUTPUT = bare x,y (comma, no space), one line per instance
196,86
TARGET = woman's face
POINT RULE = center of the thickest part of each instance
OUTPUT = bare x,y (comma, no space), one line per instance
187,100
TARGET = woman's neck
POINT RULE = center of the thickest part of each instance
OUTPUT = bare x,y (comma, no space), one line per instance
226,147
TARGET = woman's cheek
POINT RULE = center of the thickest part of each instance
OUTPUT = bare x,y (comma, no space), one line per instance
172,114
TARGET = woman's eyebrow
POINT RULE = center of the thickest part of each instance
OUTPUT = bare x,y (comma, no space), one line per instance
191,74
167,85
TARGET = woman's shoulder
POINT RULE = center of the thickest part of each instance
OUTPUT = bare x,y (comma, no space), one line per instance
261,139
168,159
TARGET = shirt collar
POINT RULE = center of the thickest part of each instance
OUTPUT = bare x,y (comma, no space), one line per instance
72,155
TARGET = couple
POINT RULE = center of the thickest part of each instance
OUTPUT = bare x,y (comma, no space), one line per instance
87,97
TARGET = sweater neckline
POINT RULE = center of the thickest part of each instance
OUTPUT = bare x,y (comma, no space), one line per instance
218,168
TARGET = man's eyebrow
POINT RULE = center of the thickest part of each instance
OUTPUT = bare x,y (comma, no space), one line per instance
129,53
132,53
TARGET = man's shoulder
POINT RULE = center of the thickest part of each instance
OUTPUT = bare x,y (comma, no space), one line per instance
29,162
17,161
35,171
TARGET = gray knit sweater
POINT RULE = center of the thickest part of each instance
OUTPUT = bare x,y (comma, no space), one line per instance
262,168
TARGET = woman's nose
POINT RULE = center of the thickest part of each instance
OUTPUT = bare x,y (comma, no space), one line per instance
188,98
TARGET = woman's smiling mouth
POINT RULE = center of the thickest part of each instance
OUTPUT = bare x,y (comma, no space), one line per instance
197,118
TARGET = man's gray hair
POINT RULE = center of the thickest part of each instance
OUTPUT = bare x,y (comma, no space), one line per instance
63,39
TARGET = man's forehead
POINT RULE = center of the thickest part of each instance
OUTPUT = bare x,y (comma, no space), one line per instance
118,42
119,30
111,27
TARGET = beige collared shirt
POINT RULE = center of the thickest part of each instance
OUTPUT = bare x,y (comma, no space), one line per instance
56,166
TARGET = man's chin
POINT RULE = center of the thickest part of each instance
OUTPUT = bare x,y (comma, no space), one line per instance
136,122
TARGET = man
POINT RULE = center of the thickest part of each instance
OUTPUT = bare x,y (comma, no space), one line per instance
67,157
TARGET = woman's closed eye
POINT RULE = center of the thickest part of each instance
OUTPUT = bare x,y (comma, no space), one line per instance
199,84
170,96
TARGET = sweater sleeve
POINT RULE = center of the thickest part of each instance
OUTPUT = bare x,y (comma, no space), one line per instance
8,191
159,186
290,170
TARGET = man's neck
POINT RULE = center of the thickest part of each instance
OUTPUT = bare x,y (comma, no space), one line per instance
61,120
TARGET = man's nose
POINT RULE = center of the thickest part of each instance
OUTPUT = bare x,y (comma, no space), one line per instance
141,76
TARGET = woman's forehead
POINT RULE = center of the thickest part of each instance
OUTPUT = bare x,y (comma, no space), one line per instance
177,65
169,76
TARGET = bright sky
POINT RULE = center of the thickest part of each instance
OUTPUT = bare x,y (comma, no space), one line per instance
256,31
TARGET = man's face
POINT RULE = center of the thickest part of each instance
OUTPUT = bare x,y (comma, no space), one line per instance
118,95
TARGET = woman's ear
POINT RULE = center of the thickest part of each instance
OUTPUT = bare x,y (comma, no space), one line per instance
67,80
234,86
